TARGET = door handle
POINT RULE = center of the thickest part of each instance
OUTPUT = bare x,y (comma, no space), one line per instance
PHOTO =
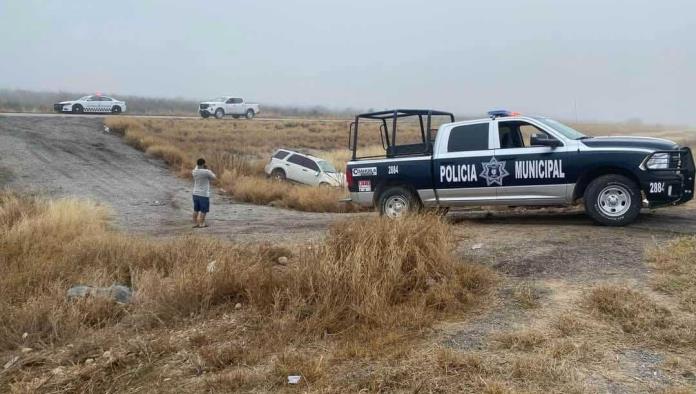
304,169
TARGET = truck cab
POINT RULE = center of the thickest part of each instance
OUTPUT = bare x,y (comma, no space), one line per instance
512,159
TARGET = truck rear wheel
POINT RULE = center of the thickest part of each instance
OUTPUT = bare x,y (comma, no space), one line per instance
250,114
612,200
398,201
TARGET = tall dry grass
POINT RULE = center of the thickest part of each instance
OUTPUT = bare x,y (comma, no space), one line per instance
369,278
676,268
238,152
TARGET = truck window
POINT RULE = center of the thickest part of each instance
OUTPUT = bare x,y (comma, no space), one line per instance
237,101
468,137
281,154
311,164
516,134
304,162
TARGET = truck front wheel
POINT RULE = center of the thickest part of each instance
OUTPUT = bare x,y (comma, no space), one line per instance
397,201
612,200
219,113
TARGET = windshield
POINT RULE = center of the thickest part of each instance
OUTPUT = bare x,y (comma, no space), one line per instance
218,99
567,131
84,98
326,166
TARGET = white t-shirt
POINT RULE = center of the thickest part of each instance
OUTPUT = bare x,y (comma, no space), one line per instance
201,181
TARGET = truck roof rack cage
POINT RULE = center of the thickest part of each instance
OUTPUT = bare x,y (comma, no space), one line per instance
388,136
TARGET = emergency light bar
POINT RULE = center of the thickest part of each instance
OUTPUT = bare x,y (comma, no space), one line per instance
501,113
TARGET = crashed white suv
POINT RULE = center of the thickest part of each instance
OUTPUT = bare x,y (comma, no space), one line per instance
228,105
289,165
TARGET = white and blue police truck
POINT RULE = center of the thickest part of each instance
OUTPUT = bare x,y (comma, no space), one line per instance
512,160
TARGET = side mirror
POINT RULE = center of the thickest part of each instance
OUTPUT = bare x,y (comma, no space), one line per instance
544,140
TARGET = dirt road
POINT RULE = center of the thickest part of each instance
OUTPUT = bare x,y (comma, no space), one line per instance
73,156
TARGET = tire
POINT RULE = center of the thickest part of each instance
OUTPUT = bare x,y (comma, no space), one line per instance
397,201
250,114
612,200
219,113
77,109
116,110
278,175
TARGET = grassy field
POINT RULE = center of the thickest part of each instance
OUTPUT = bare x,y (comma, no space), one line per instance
359,297
368,308
238,150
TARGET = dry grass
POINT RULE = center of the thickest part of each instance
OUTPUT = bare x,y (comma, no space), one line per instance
641,317
527,295
373,282
676,267
238,150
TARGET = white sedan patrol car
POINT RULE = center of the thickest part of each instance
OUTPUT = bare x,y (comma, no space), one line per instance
289,165
92,104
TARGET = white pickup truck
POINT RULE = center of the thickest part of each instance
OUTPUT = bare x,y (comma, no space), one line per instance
228,105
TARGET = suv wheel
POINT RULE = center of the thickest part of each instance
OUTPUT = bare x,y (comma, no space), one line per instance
116,110
612,200
219,113
77,109
278,174
397,201
250,114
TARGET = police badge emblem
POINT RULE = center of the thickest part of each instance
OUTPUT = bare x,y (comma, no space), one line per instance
493,172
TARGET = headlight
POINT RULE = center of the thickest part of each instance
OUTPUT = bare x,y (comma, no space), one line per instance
658,161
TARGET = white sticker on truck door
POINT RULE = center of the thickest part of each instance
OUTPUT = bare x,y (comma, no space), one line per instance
364,185
365,171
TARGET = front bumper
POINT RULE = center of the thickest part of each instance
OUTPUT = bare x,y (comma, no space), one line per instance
61,107
673,185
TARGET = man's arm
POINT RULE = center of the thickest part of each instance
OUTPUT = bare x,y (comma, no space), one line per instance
211,175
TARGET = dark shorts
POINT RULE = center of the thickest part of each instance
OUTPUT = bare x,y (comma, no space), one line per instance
201,204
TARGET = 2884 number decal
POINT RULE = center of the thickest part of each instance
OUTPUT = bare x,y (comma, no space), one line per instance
657,187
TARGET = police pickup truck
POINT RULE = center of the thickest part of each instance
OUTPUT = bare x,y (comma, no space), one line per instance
510,159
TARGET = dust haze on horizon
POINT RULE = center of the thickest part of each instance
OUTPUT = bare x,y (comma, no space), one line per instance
590,60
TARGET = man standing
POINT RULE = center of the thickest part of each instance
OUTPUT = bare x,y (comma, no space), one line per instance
201,192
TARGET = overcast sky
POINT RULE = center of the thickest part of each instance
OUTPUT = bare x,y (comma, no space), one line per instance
599,60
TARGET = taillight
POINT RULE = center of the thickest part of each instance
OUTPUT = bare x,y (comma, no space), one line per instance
349,177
